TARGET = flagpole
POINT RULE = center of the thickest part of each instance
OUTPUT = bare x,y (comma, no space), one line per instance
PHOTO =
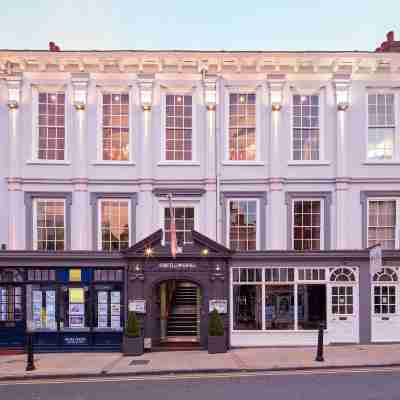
173,240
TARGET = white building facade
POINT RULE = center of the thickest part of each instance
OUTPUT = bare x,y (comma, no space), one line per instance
261,151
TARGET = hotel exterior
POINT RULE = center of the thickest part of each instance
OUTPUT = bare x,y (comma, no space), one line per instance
283,168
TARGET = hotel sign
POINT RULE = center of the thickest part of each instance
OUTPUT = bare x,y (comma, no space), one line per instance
179,266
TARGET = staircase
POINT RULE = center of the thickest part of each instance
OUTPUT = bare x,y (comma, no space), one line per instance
182,320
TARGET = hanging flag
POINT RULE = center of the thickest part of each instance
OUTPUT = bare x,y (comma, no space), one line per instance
172,228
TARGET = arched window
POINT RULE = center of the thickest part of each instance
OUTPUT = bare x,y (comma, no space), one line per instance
343,275
385,275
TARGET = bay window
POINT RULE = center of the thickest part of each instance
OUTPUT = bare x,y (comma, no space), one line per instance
381,126
178,127
306,140
242,126
51,126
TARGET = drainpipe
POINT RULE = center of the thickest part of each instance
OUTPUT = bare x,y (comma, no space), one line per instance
217,122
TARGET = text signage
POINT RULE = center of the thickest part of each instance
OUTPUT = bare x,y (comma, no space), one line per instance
173,265
75,340
220,305
138,306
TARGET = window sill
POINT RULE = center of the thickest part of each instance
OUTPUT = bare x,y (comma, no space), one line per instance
49,162
240,163
308,162
379,162
99,162
177,163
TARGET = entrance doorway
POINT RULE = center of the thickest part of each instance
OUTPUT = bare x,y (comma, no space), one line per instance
180,303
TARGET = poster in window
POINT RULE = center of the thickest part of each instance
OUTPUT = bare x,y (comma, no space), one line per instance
103,309
76,321
115,309
76,309
115,322
102,297
102,321
115,297
76,295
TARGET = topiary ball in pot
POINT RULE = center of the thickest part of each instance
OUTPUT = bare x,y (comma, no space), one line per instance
216,334
133,344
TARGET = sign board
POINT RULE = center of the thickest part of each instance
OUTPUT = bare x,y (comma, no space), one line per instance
220,305
138,306
375,258
173,265
147,342
75,340
75,275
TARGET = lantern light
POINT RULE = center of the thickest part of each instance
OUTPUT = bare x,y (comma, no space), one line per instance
276,83
146,83
80,85
14,92
210,91
342,84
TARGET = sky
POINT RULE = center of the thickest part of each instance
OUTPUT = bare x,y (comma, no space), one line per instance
203,24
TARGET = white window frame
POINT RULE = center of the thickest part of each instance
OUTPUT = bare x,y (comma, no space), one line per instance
322,220
186,91
99,224
397,226
164,203
99,147
258,222
34,222
322,100
396,145
242,90
46,88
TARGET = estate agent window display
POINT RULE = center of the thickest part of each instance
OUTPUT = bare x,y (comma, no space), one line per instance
274,290
75,300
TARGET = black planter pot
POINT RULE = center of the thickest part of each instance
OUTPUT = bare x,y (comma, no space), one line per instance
217,344
133,346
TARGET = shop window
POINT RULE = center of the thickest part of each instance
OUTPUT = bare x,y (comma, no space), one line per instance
74,308
311,274
311,306
108,275
10,303
384,299
279,307
279,274
247,307
245,275
11,275
342,300
44,309
108,312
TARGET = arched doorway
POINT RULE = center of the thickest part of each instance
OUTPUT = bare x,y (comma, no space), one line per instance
179,313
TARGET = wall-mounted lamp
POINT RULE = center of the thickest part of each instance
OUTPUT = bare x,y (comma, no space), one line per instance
14,91
210,91
342,83
146,84
204,252
80,86
148,251
276,83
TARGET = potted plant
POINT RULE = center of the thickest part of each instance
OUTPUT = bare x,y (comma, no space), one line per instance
216,334
133,344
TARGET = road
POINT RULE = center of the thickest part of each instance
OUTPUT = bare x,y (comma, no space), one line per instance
322,385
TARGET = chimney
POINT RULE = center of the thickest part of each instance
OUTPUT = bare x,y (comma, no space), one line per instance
53,47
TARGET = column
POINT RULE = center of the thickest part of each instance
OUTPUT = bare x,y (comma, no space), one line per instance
276,223
16,237
212,195
80,212
144,226
341,83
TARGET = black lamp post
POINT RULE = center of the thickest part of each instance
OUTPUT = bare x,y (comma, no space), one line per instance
30,362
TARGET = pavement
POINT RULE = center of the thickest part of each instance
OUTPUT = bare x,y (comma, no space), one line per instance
71,365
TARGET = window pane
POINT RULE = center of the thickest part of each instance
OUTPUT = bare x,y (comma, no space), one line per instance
184,224
382,223
279,307
247,307
311,306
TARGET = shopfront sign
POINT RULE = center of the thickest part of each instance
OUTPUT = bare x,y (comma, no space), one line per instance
75,275
138,306
220,305
71,340
175,266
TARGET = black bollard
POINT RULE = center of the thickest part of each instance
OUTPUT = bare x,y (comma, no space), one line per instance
30,364
320,346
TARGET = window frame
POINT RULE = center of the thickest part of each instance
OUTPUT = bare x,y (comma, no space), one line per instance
242,90
322,222
99,225
322,100
258,221
397,217
181,91
396,116
102,90
46,88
